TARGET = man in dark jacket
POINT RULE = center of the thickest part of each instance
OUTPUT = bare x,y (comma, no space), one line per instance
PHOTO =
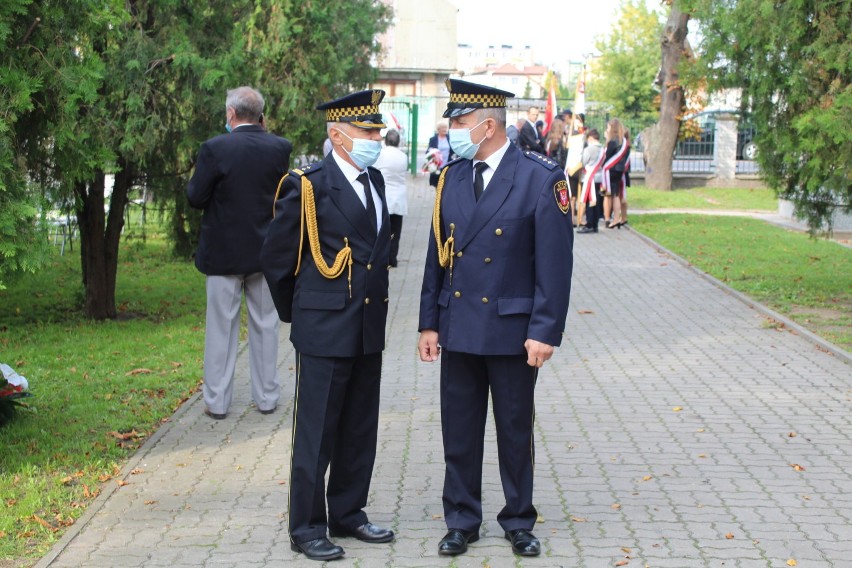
494,299
326,259
234,183
529,138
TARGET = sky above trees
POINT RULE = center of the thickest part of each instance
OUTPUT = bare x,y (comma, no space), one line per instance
555,29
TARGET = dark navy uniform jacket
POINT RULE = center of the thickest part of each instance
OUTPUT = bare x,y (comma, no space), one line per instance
326,322
511,276
234,182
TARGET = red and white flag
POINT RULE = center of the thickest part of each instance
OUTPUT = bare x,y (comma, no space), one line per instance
550,108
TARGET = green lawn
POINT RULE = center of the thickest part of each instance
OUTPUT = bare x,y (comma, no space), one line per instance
99,388
810,280
641,197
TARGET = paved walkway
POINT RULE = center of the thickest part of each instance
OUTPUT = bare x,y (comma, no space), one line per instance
675,428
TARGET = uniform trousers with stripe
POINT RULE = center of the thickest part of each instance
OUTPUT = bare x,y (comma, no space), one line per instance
466,380
335,424
222,336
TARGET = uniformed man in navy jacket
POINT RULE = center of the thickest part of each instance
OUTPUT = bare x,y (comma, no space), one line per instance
493,306
326,258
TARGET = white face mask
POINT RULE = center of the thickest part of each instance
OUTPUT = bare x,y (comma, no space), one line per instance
462,144
364,152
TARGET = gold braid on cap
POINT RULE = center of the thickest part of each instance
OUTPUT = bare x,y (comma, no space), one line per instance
309,218
446,250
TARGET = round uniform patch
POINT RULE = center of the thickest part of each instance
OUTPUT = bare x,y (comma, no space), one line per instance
563,199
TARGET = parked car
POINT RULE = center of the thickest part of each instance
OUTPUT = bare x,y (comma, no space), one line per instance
746,147
697,137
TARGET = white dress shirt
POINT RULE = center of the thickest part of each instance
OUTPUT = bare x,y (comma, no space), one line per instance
493,161
351,174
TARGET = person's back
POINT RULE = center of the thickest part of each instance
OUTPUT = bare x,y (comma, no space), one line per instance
393,163
235,186
234,183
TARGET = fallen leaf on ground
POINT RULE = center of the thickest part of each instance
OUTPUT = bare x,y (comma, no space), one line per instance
622,563
150,502
137,471
677,408
626,550
797,467
578,519
124,435
138,372
648,478
792,435
792,562
616,506
539,519
585,312
44,523
121,482
729,536
436,517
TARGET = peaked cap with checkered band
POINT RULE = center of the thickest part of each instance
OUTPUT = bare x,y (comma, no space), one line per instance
359,109
466,97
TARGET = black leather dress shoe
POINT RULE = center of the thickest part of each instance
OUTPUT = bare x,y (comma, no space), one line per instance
319,549
269,411
455,542
524,542
368,532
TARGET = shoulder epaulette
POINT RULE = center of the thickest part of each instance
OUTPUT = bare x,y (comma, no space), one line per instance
541,159
310,168
452,163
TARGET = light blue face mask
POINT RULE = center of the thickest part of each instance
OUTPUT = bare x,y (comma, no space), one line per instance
461,143
364,152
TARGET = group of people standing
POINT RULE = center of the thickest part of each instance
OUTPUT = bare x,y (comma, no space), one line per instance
313,247
598,175
604,179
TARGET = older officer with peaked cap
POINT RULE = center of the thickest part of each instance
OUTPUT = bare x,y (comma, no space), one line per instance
495,298
326,259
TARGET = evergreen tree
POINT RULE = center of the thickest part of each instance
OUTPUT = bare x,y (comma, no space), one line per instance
791,60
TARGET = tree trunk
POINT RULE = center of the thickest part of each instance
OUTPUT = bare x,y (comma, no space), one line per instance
99,240
660,139
183,241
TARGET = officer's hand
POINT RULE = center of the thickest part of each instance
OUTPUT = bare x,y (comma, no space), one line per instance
428,345
537,352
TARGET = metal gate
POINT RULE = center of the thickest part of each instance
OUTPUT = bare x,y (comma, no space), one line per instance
402,115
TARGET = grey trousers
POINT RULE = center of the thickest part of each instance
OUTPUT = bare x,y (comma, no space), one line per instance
221,340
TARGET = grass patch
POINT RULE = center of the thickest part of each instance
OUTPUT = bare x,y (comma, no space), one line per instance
808,280
641,197
100,388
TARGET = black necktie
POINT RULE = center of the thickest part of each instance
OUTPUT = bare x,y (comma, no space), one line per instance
371,207
478,183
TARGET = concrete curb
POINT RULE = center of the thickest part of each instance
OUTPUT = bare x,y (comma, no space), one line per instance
821,343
